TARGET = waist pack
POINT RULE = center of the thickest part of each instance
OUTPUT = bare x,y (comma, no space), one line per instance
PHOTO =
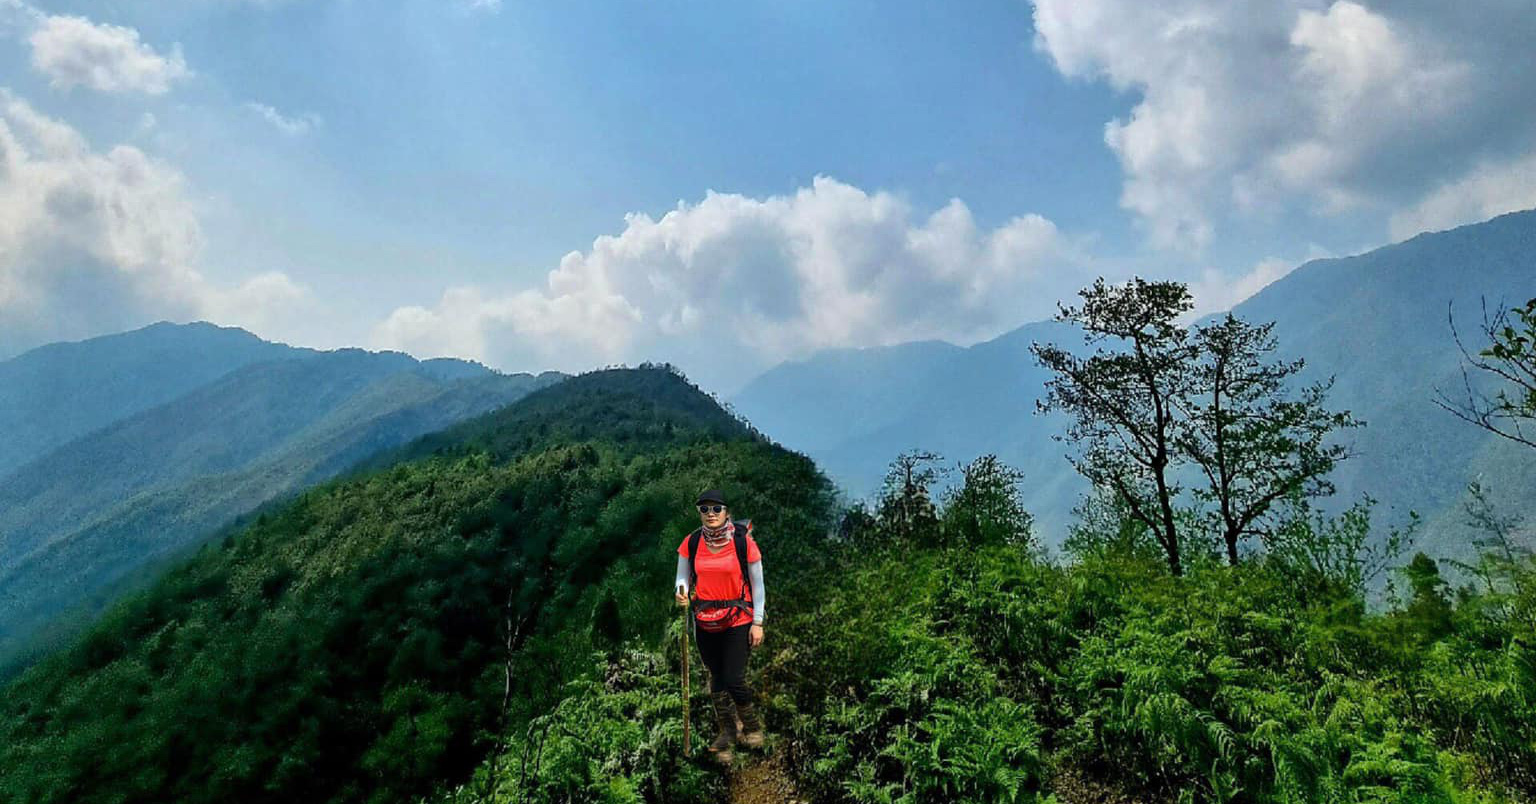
714,615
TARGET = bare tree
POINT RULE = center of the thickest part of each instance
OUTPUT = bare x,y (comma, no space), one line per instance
1510,356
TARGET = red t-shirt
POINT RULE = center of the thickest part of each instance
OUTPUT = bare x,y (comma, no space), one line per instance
720,576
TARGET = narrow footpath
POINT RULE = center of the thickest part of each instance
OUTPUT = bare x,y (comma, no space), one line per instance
762,779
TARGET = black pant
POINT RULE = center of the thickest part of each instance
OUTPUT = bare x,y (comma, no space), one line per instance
725,654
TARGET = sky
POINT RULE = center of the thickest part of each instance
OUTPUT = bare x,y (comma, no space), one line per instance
721,185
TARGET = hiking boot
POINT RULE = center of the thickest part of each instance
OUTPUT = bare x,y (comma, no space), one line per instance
751,726
725,720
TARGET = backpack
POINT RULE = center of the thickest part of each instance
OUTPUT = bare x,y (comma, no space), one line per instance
711,615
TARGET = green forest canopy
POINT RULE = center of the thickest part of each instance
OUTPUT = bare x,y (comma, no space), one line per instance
352,646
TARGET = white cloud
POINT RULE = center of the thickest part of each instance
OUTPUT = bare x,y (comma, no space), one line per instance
1490,189
291,126
73,51
1216,292
268,303
1271,105
93,242
732,284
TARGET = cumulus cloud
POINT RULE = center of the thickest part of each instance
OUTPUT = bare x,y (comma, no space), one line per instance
1274,104
291,126
73,51
732,284
93,242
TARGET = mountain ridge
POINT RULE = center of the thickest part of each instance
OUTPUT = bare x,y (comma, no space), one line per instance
144,486
59,391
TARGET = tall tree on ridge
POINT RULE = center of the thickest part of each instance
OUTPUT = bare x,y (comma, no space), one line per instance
986,509
1125,401
1254,445
906,510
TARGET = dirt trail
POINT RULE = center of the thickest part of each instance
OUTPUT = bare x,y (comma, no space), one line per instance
762,780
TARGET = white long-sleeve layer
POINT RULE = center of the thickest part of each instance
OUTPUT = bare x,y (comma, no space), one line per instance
754,571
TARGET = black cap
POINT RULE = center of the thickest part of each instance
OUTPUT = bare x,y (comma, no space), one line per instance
710,495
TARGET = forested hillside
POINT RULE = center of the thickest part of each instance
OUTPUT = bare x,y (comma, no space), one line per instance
931,650
366,641
85,520
484,616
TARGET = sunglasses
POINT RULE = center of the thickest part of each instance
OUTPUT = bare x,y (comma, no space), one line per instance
711,509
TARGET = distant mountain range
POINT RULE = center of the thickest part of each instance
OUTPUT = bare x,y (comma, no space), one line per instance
1376,321
61,391
119,454
125,450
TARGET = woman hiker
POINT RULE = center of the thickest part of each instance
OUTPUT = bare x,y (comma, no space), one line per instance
727,612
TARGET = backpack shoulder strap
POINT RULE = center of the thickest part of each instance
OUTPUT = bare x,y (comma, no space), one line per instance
693,554
740,538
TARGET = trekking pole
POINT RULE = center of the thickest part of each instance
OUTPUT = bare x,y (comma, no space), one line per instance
687,747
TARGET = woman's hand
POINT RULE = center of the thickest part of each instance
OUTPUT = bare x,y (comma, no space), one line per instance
757,635
682,599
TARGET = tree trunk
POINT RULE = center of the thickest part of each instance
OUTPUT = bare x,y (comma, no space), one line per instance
1171,546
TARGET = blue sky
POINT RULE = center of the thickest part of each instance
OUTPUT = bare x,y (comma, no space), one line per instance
439,177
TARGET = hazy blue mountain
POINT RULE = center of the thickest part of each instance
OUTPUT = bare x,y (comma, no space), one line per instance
1376,321
60,391
86,515
841,394
1379,323
962,404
